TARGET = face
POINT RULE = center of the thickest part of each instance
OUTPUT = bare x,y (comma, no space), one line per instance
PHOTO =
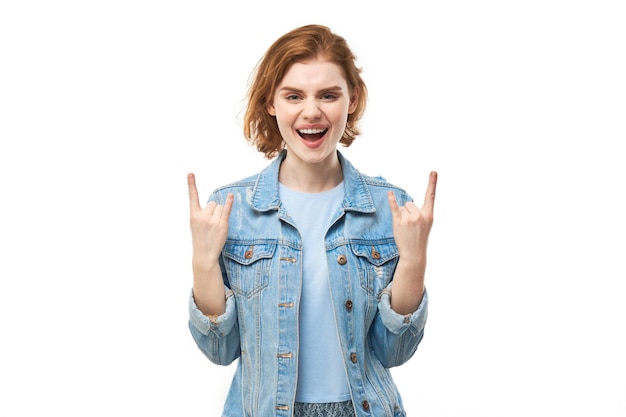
311,105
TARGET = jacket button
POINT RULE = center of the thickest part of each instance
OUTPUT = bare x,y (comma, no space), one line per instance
248,254
365,405
349,305
342,260
353,357
375,254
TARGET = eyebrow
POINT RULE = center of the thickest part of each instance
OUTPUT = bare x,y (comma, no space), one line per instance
297,90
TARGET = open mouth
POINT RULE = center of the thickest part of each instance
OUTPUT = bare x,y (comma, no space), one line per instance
312,134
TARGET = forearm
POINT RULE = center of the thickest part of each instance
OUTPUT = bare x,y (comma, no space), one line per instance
407,289
208,287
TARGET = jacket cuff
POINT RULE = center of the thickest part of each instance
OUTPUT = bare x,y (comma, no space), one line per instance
399,323
220,325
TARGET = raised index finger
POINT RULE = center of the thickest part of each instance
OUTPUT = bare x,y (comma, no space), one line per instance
228,205
393,205
429,198
194,201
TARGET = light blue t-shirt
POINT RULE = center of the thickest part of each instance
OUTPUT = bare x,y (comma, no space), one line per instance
321,374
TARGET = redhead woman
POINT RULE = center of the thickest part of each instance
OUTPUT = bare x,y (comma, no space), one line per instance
309,274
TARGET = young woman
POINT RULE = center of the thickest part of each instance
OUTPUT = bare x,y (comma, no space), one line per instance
310,274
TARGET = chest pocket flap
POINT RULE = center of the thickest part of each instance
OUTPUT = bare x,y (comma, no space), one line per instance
376,254
248,254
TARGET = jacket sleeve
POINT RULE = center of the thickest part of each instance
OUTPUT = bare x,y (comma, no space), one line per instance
217,338
394,336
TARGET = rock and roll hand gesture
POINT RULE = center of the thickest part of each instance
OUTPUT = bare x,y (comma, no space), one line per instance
411,228
209,229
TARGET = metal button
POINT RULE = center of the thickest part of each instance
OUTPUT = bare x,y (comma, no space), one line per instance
342,260
353,357
365,405
375,254
248,254
348,305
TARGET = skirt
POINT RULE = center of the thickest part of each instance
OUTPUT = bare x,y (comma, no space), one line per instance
340,409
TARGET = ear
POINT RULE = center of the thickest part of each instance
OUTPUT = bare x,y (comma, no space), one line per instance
354,101
271,110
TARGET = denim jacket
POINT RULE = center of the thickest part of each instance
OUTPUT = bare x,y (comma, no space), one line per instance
262,273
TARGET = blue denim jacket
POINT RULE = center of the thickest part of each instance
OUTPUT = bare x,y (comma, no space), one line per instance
262,274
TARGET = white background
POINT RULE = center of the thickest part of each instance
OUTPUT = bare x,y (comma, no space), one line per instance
519,105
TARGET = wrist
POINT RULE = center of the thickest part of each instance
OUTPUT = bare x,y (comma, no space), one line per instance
412,265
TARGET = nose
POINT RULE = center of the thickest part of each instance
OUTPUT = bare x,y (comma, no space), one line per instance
311,109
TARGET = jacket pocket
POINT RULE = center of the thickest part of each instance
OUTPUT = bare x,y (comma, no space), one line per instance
248,267
376,263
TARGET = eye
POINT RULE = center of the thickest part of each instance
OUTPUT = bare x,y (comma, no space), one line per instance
292,97
329,96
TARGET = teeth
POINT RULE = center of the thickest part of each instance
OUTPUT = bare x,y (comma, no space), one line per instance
310,131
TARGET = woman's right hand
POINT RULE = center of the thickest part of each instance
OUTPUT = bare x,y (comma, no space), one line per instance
209,225
209,229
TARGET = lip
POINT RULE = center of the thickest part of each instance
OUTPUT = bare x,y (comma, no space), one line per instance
312,140
312,127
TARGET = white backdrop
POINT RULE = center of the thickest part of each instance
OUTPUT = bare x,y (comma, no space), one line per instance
520,106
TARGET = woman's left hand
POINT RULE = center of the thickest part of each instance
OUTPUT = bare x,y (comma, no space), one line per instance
411,224
411,228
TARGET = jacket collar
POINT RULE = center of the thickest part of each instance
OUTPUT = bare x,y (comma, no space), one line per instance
357,197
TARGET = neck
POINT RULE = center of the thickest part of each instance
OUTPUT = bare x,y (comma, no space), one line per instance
310,178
